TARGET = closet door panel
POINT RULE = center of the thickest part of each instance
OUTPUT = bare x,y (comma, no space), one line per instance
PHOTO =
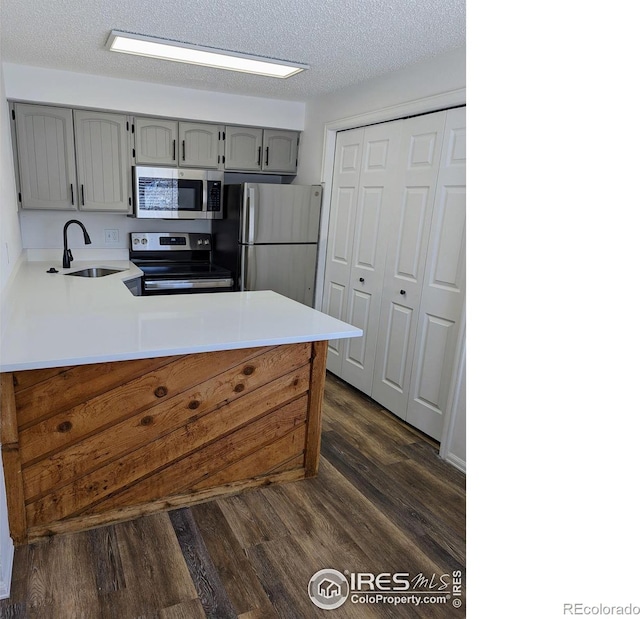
375,207
435,349
414,189
443,292
344,197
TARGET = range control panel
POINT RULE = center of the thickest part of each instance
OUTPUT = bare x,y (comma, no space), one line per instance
165,241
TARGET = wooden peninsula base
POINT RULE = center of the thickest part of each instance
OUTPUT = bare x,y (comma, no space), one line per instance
89,445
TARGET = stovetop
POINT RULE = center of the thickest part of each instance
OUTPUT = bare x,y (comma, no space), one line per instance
167,255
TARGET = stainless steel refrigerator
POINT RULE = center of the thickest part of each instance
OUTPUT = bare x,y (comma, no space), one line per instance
269,237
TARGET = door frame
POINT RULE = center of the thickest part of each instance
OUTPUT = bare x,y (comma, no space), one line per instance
425,105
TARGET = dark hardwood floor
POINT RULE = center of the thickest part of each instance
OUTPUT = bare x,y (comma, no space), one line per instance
383,501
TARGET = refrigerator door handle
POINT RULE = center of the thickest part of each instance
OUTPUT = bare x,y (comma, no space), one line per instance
249,265
250,216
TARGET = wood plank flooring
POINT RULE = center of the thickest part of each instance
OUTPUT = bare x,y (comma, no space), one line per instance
383,501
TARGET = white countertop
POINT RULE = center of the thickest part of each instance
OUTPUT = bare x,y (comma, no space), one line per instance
52,320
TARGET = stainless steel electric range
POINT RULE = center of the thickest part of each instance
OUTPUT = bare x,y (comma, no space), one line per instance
179,263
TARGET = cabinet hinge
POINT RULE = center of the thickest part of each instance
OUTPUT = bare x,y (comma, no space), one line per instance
19,197
127,125
134,153
13,114
133,128
223,158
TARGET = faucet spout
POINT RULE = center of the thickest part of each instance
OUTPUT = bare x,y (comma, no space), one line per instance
67,256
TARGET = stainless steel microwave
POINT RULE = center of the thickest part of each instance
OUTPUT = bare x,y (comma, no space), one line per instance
177,193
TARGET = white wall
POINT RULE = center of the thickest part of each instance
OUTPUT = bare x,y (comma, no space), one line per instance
10,242
10,252
458,449
93,91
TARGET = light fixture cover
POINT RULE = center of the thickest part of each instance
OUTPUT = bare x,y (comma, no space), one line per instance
153,47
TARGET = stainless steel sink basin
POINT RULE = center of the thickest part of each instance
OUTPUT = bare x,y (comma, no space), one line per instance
95,272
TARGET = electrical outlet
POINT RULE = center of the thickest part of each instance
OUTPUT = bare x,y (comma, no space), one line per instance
111,237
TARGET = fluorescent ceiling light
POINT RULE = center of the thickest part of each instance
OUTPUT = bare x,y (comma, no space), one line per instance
165,49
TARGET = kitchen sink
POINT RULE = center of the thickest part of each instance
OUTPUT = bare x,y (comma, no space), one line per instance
95,272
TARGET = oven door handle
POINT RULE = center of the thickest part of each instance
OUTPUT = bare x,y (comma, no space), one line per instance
186,284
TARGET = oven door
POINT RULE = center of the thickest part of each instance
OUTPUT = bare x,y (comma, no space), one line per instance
170,193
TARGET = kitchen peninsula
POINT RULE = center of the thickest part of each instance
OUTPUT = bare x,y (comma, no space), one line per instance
114,406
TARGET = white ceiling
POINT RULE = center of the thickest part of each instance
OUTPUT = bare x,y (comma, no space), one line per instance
344,41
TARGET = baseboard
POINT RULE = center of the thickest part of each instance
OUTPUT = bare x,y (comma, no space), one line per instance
459,463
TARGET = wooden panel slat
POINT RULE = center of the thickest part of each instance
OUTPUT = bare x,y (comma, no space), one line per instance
149,425
101,412
27,378
314,426
63,390
8,419
82,523
15,494
11,460
210,457
283,454
79,495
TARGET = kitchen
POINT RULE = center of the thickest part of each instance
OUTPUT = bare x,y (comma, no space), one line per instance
37,236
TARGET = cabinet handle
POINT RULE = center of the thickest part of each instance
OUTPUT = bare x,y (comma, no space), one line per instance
403,292
184,151
259,153
174,150
362,280
82,193
71,194
266,157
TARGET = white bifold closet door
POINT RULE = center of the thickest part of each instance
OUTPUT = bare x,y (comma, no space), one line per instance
443,291
395,261
361,203
414,189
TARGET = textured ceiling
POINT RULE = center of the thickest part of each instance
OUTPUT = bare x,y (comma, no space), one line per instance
344,41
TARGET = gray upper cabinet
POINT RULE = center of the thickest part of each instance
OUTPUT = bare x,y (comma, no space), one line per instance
46,163
250,149
280,151
156,141
243,149
170,142
102,151
200,145
80,159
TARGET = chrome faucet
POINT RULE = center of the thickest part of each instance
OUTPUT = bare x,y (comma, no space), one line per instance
67,256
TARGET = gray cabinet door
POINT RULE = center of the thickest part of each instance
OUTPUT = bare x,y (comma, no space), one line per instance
46,163
280,151
199,145
102,157
156,141
243,148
